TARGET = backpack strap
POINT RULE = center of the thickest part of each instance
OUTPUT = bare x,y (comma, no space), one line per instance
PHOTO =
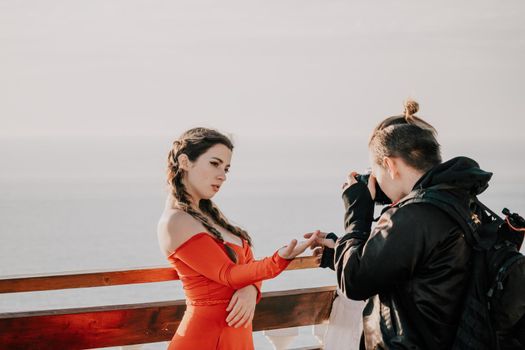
438,196
487,209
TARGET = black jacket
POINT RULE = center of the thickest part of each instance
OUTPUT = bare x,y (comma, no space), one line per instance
413,261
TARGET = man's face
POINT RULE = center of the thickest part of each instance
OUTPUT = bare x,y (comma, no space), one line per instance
386,178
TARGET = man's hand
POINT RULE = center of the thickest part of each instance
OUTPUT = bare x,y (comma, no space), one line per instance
350,180
372,186
321,240
242,307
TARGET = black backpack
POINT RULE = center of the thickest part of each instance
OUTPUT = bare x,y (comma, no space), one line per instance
493,314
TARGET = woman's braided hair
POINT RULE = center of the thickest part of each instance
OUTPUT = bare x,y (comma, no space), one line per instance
193,143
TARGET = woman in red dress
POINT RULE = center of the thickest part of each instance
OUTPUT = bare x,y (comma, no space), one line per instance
213,258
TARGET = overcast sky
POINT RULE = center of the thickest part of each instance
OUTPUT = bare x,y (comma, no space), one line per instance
249,67
98,89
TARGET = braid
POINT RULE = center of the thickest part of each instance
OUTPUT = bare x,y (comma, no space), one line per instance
183,203
207,206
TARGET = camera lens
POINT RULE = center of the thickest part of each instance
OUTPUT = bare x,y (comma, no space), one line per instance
381,197
363,178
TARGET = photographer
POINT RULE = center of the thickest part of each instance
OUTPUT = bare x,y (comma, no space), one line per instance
413,264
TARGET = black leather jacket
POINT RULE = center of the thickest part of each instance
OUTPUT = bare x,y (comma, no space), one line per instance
415,260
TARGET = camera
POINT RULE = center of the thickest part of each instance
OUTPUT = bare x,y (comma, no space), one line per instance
381,197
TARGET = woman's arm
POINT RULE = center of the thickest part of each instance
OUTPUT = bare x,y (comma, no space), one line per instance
205,255
242,304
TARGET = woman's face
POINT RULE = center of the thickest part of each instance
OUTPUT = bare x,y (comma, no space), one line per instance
205,176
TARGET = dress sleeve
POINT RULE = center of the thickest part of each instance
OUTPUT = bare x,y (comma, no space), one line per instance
257,285
206,255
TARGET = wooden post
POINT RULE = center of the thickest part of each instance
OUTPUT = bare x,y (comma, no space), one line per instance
319,331
281,338
132,347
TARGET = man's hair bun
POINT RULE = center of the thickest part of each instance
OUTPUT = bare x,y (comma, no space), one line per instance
411,108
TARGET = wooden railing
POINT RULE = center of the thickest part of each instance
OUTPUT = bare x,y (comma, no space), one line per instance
118,325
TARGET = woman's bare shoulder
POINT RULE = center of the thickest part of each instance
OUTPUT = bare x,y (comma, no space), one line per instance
175,228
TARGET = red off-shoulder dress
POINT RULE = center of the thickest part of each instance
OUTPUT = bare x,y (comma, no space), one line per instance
209,279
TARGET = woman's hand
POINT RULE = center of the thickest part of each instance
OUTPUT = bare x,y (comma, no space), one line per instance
321,240
293,249
242,307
